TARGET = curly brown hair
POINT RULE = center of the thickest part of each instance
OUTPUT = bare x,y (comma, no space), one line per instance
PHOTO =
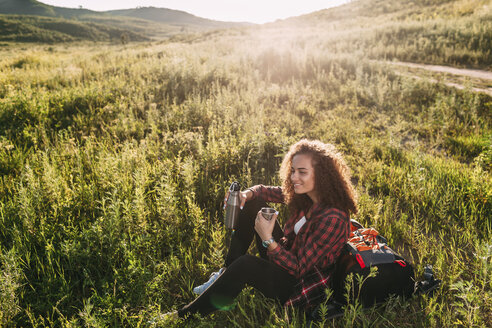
331,173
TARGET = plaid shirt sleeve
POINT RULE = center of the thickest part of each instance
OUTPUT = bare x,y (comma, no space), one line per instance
325,236
268,193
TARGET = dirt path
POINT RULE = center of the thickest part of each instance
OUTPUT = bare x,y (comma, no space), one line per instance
475,73
484,76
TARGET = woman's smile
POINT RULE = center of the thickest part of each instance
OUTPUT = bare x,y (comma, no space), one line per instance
302,176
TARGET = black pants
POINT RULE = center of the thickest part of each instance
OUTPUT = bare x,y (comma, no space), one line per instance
241,270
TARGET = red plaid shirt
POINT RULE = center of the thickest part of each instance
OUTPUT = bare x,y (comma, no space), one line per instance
314,249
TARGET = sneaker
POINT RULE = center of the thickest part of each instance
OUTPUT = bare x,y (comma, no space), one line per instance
200,289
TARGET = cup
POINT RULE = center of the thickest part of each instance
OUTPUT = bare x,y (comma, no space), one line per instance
267,212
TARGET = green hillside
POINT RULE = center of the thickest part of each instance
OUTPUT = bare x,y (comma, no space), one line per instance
457,33
144,27
14,28
26,7
175,17
33,7
32,21
66,24
450,32
21,28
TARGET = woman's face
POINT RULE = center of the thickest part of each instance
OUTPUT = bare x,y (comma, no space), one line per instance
302,176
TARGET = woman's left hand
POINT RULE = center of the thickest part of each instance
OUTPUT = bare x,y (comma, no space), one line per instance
264,227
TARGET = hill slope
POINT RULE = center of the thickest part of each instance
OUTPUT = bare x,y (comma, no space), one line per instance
170,16
20,28
26,7
33,7
68,24
445,32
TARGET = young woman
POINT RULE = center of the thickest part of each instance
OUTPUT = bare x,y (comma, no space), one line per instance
295,264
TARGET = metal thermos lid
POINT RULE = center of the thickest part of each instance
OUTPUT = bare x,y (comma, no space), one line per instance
235,186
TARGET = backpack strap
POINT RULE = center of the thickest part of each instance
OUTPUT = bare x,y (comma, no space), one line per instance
354,225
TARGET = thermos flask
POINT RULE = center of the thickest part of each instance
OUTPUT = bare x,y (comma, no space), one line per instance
232,206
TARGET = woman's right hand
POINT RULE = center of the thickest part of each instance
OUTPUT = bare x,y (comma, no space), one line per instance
244,196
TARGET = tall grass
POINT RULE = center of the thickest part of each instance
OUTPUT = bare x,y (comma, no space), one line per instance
114,162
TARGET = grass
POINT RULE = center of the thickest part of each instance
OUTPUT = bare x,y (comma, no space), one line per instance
114,162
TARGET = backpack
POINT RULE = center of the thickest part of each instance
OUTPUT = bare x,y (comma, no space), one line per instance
366,248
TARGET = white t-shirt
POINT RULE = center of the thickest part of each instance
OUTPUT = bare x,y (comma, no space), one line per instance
299,224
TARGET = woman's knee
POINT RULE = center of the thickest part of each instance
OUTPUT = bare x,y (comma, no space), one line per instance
248,214
245,260
253,206
246,264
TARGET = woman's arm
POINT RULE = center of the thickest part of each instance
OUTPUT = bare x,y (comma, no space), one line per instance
267,193
326,236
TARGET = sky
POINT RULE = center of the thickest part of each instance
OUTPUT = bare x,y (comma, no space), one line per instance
254,11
